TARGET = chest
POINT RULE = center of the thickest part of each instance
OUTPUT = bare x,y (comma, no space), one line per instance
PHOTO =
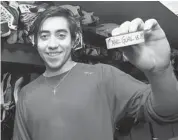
75,95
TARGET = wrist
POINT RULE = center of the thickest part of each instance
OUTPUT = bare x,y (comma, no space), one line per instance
159,72
158,75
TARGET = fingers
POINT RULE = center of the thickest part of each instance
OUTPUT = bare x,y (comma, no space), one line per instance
136,25
123,29
126,27
151,24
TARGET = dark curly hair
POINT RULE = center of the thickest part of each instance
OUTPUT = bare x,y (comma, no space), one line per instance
56,11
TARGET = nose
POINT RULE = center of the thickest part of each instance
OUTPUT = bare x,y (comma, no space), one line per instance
52,44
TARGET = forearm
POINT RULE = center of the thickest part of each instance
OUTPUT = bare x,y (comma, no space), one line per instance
164,92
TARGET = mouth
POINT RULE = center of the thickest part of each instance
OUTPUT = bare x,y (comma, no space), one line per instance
53,54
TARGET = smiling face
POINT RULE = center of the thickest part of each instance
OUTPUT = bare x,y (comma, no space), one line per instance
54,42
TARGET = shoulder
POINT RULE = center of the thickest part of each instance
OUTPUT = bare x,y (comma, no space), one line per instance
109,69
97,66
93,67
31,86
103,70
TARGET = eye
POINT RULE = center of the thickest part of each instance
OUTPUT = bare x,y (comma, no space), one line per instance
44,36
61,35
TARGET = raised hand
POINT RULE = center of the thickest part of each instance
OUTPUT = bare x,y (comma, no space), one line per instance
152,55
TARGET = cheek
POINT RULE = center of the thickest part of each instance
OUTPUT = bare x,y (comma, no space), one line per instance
41,51
67,45
69,48
41,45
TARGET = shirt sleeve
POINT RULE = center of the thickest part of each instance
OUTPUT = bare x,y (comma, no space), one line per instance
20,126
129,97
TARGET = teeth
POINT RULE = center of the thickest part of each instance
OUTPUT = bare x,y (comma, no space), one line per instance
53,54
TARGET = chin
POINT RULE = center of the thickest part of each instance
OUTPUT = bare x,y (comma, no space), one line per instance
54,66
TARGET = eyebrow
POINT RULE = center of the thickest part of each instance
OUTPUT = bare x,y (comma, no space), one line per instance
62,30
46,31
43,31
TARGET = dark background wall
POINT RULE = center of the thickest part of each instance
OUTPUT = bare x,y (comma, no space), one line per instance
120,11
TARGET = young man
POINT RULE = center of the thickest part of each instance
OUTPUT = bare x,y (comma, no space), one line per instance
74,101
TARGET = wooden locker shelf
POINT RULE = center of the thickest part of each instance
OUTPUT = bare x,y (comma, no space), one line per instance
20,53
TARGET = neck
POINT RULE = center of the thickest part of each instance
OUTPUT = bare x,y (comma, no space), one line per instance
66,67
